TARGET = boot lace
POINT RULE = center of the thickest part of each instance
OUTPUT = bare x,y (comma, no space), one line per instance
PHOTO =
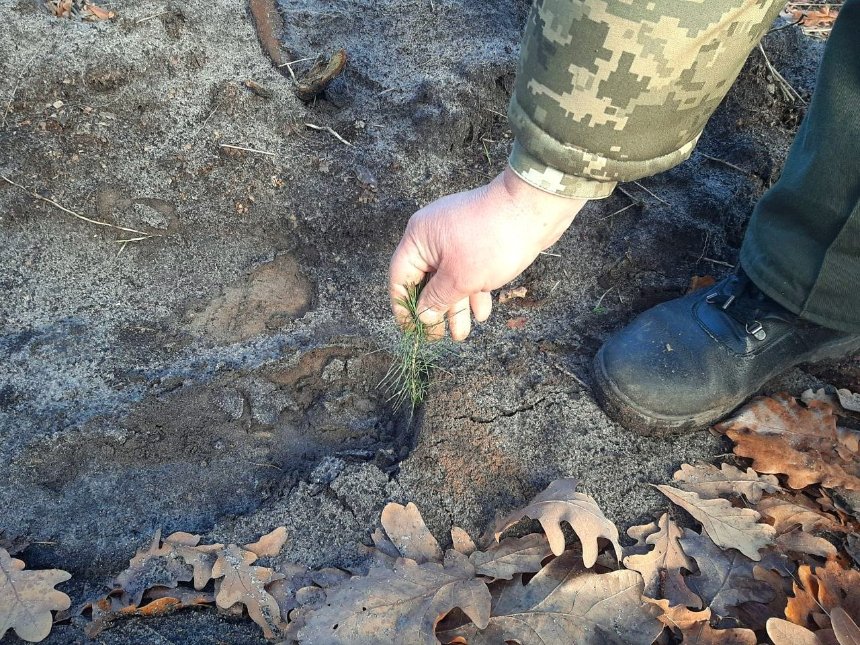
741,301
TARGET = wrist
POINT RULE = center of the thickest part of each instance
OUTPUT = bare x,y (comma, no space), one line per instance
537,200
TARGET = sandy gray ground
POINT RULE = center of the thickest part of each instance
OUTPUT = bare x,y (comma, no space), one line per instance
221,378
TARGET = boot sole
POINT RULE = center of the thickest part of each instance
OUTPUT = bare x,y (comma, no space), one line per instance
622,410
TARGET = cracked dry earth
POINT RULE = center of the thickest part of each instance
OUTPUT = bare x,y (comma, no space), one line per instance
220,377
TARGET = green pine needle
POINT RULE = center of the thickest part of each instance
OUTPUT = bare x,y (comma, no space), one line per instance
415,356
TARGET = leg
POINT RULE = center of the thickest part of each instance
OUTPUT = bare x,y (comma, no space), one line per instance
802,247
686,363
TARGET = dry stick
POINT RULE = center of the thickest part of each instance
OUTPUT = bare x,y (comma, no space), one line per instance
725,163
618,212
34,194
313,126
259,152
720,262
155,15
786,87
16,86
659,199
600,299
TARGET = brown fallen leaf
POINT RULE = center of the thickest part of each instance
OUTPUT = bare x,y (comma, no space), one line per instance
318,77
246,584
801,542
725,578
782,632
561,503
849,400
846,630
789,512
399,605
700,282
410,536
512,556
727,526
462,541
783,437
28,597
711,482
818,591
695,628
516,323
155,565
566,603
270,544
511,294
662,567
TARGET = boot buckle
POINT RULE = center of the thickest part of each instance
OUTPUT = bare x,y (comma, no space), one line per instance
756,330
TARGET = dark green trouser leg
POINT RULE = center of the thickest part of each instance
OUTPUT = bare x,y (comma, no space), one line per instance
802,247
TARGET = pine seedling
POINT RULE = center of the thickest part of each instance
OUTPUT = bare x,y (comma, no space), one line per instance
416,355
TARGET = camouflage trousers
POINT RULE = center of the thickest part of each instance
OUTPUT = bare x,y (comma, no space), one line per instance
616,90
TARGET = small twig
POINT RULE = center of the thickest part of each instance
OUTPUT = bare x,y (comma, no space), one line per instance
571,375
289,67
496,112
153,16
206,120
725,163
787,89
254,463
293,62
328,129
720,262
18,84
35,195
600,299
659,199
799,21
259,152
552,255
618,212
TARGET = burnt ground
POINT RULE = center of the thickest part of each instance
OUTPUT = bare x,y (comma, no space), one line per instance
221,377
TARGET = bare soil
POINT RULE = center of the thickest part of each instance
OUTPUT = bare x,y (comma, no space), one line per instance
221,376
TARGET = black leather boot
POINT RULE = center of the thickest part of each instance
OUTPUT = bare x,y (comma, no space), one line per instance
688,362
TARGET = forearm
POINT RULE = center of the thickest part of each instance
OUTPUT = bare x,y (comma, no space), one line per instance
611,91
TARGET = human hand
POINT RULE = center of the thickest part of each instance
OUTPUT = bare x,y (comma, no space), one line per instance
471,243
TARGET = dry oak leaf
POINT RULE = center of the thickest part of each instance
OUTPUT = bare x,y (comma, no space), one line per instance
510,294
270,544
711,482
246,584
822,590
847,631
782,632
799,511
661,568
783,437
462,541
156,565
27,598
400,605
695,627
727,526
725,578
406,530
512,556
561,503
566,603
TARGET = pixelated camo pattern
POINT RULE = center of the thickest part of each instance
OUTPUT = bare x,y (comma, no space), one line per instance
615,90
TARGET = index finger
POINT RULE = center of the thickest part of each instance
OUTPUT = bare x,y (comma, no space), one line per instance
406,269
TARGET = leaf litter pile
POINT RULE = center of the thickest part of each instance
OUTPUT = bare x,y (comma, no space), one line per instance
766,550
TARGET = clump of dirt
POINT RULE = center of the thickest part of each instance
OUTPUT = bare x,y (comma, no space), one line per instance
221,376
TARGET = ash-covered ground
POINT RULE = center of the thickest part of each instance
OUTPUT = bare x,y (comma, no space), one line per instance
220,377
